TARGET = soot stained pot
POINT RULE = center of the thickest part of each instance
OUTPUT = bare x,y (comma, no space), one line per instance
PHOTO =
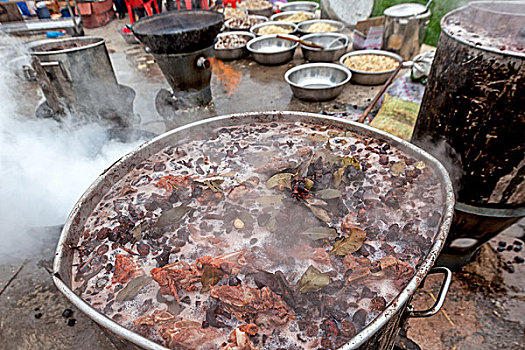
178,31
379,334
472,117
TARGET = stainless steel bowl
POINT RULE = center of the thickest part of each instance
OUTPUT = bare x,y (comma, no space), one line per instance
282,15
267,11
370,78
228,24
302,27
308,6
235,52
335,45
317,81
287,25
269,50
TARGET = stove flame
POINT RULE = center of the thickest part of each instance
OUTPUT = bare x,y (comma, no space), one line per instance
227,76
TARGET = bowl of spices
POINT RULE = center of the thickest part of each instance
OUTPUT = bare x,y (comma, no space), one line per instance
371,67
257,7
244,22
232,45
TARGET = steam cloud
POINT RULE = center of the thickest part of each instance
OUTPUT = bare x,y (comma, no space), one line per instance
45,166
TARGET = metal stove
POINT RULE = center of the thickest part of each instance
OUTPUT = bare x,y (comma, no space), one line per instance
181,42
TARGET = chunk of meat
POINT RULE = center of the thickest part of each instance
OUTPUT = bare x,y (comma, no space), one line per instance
176,276
171,182
239,340
126,268
157,316
320,255
216,262
274,165
188,335
241,301
238,192
396,269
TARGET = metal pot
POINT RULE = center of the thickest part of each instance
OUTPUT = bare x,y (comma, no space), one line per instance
76,75
379,334
473,110
405,26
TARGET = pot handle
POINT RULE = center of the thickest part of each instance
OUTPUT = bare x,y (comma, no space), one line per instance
440,298
60,65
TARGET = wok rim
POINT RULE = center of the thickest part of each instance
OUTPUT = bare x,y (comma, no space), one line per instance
397,304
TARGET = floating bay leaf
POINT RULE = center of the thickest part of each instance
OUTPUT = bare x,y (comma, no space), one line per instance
210,277
270,200
398,168
214,185
272,223
319,233
315,201
350,161
172,216
313,280
328,193
279,179
320,213
337,177
133,288
318,137
136,232
303,168
350,244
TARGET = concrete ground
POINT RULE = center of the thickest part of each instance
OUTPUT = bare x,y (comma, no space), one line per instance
483,310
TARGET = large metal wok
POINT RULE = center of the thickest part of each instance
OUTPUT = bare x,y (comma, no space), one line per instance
178,31
379,334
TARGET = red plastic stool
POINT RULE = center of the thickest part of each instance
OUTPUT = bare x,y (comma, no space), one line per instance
187,3
135,4
232,3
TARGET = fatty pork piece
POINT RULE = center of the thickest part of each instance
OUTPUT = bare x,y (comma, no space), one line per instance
263,305
181,334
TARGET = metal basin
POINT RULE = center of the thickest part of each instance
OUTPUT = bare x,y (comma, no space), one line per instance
308,6
335,45
289,26
303,27
270,50
281,16
267,11
178,31
235,52
379,334
317,81
370,78
229,26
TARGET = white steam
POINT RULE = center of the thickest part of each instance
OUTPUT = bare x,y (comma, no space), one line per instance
45,166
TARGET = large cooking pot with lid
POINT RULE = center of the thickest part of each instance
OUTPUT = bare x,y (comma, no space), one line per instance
378,334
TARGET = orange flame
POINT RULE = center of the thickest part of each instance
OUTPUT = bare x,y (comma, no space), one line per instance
226,75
